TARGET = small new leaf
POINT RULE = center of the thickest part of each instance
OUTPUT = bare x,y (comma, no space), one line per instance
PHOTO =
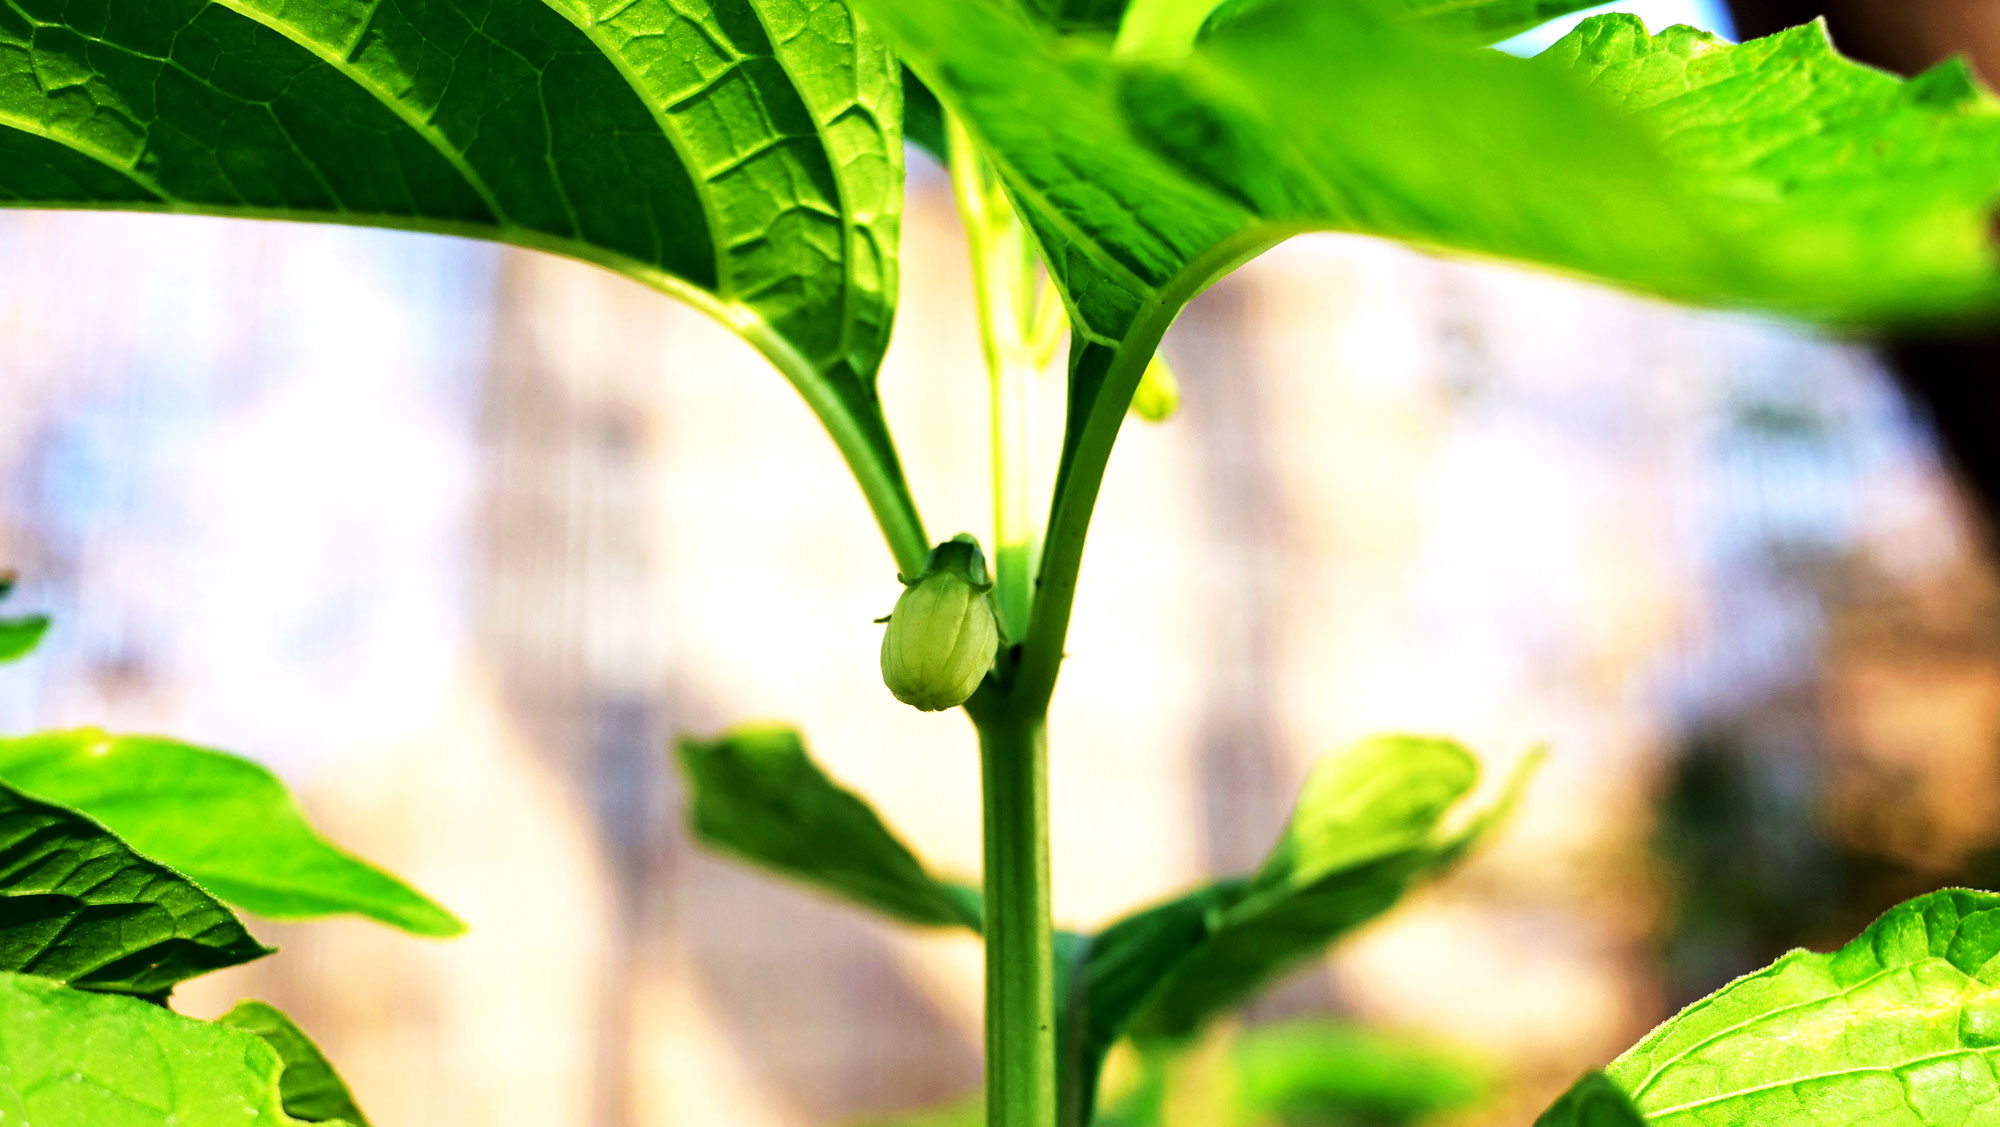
224,821
310,1089
79,906
74,1059
1368,825
757,794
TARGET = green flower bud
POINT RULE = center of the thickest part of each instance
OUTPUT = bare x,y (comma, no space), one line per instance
1158,395
943,634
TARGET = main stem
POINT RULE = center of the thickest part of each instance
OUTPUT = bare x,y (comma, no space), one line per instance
1013,745
1020,953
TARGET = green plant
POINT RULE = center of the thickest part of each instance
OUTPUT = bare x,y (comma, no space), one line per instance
119,860
746,157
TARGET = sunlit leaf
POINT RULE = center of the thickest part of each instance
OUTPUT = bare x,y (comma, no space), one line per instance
745,155
224,821
69,1058
309,1087
1899,1028
1776,175
757,794
79,906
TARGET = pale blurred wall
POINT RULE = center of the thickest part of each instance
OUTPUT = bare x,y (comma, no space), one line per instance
458,539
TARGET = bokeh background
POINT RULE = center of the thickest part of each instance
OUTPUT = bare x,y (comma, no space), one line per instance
457,539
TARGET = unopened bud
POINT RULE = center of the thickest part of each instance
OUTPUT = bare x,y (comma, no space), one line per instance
943,634
1158,395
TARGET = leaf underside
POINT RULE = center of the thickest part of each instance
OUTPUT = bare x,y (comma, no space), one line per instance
758,795
224,821
69,1058
1775,175
743,154
79,906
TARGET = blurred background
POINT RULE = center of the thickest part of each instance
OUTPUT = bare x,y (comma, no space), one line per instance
457,539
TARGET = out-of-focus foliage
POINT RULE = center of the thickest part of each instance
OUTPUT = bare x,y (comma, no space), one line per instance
758,795
1595,1101
1296,1074
18,636
224,821
1369,824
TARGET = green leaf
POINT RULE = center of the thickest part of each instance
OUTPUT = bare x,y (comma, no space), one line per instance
1326,1072
310,1089
1776,175
1595,1101
744,155
1899,1027
75,1059
1367,827
20,636
79,906
226,822
1465,21
758,794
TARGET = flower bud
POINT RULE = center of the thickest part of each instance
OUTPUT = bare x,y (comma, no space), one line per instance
943,634
1158,395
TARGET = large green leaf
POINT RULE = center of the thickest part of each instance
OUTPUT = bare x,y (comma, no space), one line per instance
74,1059
1899,1028
226,822
745,155
79,906
1775,175
310,1089
758,794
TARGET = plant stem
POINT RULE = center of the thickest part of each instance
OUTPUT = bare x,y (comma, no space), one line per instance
1003,290
1020,958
